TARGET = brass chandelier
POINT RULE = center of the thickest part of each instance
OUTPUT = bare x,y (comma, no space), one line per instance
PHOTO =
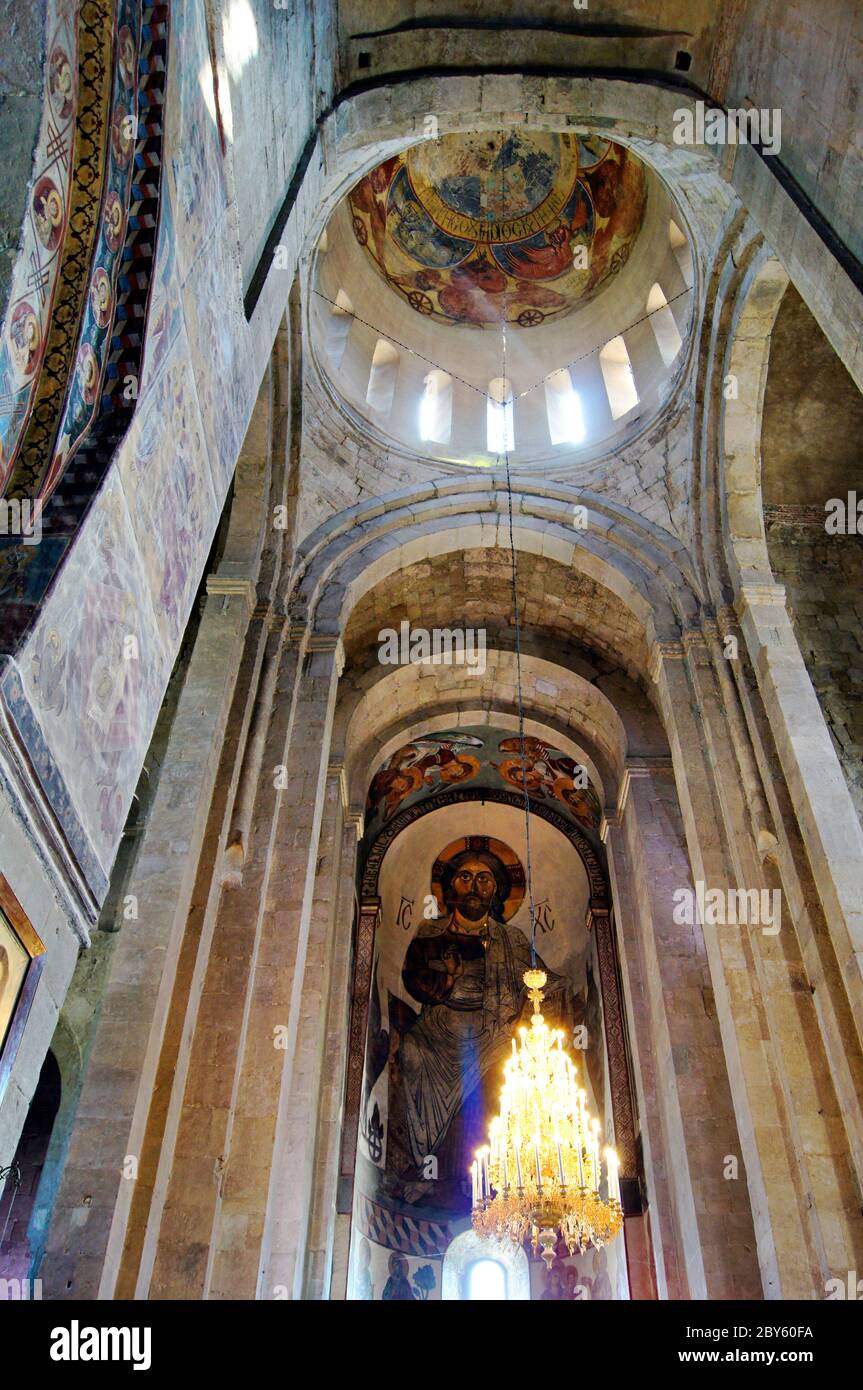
541,1172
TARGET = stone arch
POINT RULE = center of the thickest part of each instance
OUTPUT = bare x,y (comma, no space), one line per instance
642,566
371,125
569,707
599,921
822,803
740,440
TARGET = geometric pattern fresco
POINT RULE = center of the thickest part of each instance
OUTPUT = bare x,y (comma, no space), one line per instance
478,228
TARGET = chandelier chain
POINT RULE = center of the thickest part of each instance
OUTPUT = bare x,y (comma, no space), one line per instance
506,406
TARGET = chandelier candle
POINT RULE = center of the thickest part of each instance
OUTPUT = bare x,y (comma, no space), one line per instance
541,1098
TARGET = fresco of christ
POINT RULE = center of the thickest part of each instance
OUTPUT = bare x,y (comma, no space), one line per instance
465,969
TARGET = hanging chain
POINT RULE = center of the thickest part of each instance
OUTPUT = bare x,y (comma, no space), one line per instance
504,405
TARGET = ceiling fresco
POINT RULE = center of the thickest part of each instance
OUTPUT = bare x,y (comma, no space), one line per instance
475,228
433,764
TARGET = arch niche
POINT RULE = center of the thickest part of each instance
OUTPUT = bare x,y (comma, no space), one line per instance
421,1236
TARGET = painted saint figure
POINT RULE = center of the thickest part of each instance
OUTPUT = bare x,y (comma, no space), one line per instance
397,1289
466,969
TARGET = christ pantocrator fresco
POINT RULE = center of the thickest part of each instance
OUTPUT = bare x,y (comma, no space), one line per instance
465,969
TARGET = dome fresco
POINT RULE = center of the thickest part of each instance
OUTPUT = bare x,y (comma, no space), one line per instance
477,227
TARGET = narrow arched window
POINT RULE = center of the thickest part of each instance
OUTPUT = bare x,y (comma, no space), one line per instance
339,326
665,330
486,1279
382,377
436,408
563,409
500,423
682,253
617,375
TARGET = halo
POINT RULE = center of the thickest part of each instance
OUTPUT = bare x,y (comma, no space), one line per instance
484,844
465,760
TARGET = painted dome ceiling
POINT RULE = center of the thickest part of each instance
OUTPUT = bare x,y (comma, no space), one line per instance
474,228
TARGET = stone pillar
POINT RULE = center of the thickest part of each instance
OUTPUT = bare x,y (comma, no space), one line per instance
321,1246
91,1212
364,955
814,1124
293,1157
706,1249
787,1116
289,905
199,1131
642,1279
663,1230
831,829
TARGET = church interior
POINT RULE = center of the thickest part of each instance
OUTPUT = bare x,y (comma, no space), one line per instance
431,650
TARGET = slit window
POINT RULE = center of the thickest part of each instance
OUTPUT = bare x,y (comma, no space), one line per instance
619,380
665,330
436,408
339,326
682,253
382,377
500,424
563,409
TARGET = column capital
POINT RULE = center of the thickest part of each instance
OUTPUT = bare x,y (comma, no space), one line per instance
328,642
336,769
694,637
233,586
640,765
661,652
758,595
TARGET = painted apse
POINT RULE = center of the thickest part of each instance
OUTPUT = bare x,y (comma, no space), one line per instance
447,996
471,228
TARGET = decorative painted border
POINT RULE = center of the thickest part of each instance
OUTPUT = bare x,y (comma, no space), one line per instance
588,855
36,270
109,356
619,1070
32,749
361,986
398,1232
87,175
86,378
